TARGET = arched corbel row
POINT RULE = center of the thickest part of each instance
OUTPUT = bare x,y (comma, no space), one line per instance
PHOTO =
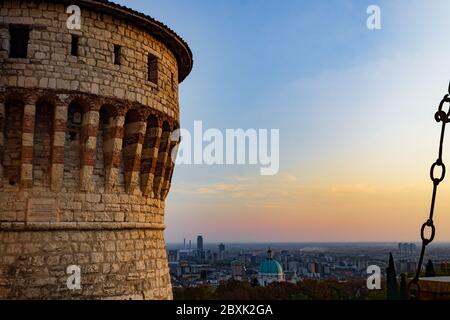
142,142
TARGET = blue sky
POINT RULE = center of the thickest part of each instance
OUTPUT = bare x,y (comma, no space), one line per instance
354,108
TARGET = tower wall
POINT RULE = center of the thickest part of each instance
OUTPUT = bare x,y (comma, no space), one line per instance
85,154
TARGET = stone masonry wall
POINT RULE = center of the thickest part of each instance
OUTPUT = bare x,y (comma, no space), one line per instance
85,157
49,63
126,264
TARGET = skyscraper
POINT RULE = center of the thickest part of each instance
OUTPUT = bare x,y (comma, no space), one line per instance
200,243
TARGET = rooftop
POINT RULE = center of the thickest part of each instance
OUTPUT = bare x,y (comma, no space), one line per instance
270,266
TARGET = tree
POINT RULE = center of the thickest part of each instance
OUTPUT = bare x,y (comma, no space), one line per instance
429,270
202,292
255,282
444,269
233,290
391,280
403,288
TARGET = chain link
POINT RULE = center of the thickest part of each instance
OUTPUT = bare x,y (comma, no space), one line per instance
444,118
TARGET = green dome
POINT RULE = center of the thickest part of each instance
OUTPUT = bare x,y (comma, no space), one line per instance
271,266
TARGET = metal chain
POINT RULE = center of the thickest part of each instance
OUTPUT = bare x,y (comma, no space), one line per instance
444,117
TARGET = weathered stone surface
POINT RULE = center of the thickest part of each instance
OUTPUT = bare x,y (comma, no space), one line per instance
84,166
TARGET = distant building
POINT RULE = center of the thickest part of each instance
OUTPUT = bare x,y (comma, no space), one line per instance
293,266
326,269
200,252
175,269
313,267
172,256
314,270
284,258
221,251
360,264
406,266
208,256
270,271
199,243
401,266
184,267
237,269
407,247
183,254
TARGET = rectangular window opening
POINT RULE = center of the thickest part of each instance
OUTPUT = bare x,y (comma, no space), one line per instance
117,54
74,46
152,65
19,37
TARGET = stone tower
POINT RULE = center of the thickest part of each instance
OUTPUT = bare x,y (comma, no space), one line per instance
86,117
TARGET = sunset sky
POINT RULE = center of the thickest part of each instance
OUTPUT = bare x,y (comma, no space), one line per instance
354,107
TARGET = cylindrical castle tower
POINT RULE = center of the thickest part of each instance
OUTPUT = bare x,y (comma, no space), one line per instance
85,150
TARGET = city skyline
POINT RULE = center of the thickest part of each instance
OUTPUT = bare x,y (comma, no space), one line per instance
216,265
355,110
192,243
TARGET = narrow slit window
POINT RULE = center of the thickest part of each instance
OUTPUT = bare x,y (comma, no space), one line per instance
117,54
74,45
152,65
19,37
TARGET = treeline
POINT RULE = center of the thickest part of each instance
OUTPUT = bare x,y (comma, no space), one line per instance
394,288
304,290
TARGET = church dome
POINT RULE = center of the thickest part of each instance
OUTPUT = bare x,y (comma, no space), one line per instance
270,265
